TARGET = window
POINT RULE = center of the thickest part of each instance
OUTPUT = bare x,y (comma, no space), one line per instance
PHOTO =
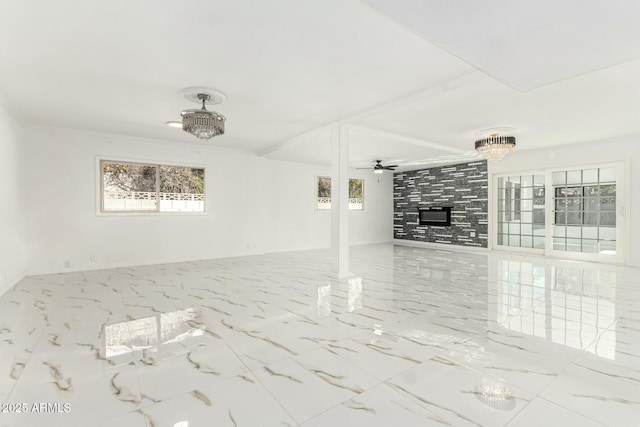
323,193
356,194
585,210
137,187
521,215
576,213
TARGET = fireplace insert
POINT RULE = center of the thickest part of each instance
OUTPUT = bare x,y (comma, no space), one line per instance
435,216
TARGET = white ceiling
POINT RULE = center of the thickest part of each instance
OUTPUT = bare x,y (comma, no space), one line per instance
290,67
526,44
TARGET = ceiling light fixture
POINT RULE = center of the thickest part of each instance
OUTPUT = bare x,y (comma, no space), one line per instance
495,143
200,122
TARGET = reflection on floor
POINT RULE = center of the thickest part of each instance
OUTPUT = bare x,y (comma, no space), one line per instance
417,337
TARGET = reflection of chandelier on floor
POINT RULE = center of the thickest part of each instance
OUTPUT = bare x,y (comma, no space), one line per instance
495,143
495,394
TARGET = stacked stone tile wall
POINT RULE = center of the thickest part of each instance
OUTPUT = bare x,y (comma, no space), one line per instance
464,187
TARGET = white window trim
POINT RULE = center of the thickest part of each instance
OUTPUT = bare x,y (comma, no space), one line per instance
623,197
99,159
315,194
621,222
494,214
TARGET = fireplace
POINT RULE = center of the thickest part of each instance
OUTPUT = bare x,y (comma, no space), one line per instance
435,216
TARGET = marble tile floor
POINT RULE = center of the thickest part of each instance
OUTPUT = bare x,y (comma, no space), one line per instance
417,337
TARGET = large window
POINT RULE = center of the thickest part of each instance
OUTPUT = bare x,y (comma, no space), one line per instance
577,213
323,193
585,210
138,187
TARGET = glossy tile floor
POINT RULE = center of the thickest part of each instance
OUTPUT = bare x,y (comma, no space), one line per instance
418,337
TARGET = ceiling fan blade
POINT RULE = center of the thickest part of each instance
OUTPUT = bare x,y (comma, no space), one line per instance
365,168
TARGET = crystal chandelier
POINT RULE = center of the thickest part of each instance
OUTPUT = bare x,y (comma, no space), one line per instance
203,123
495,144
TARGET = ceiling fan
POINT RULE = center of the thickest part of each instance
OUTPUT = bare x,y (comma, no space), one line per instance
379,168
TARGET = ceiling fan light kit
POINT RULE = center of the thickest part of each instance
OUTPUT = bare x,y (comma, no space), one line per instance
495,143
379,168
200,122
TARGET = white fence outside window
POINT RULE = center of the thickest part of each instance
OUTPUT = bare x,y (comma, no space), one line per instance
146,201
355,203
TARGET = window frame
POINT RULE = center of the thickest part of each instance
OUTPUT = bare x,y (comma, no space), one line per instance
495,220
622,219
100,211
316,197
363,189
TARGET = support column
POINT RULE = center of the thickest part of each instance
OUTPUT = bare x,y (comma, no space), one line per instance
340,200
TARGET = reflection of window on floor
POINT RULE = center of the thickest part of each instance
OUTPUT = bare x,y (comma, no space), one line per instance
585,211
149,333
355,294
324,301
521,216
573,311
323,193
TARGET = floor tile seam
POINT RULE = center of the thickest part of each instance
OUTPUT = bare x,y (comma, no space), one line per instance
257,378
424,405
376,384
31,353
596,339
353,397
557,377
563,408
350,362
602,374
262,384
482,373
630,381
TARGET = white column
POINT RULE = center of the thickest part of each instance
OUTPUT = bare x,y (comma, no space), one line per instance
339,200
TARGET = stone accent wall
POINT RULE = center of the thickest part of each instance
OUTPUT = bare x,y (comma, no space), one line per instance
464,187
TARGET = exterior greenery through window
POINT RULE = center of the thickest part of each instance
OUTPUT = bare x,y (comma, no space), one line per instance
323,193
137,187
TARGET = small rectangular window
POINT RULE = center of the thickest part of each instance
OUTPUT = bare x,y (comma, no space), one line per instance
356,194
323,193
137,187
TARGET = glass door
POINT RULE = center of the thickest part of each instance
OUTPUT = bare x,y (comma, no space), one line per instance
585,216
521,211
574,213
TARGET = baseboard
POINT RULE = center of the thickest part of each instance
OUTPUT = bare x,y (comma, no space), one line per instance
441,246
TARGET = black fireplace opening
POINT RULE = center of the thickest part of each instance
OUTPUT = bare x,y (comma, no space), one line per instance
435,216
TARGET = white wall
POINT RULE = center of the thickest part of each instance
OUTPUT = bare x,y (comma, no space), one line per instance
12,251
254,205
622,149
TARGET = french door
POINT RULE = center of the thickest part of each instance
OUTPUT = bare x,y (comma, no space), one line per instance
575,213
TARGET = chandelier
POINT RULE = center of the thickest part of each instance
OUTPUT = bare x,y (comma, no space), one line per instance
495,144
202,123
